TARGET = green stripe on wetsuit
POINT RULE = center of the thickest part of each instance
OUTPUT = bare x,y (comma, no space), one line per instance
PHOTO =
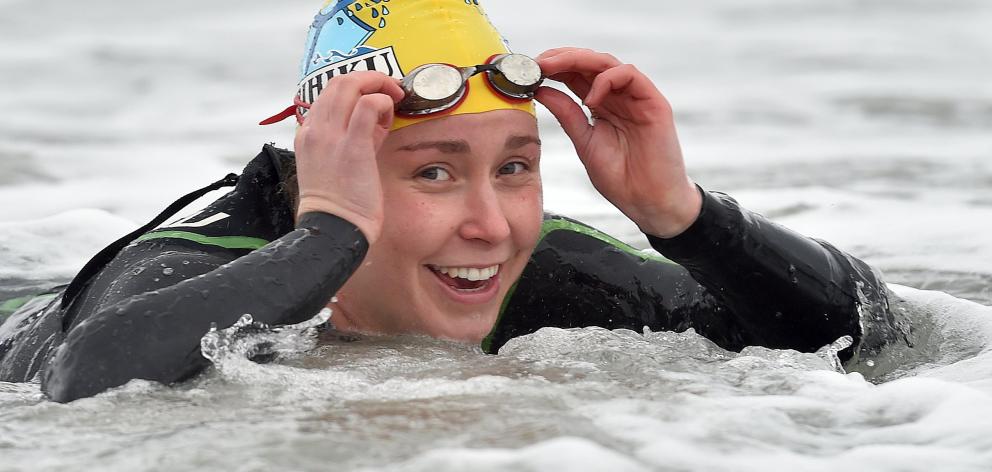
226,242
565,224
8,307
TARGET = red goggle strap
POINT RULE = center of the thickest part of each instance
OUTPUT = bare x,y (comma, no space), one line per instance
291,110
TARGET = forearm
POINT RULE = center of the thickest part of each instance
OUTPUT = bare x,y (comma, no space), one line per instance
156,335
787,290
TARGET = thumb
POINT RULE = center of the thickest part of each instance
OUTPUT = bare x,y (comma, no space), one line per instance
568,113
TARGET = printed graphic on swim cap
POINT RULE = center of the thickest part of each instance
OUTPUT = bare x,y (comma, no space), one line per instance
337,45
338,35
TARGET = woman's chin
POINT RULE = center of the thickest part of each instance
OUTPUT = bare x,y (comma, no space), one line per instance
469,328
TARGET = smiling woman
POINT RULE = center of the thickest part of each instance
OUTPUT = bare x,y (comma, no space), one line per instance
433,223
464,200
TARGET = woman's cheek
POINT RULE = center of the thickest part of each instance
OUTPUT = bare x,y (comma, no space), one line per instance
528,216
417,221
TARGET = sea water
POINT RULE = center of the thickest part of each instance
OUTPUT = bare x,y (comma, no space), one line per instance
866,124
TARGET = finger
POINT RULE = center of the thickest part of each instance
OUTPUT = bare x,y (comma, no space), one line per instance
623,80
372,113
348,92
577,83
556,51
336,104
615,80
568,113
583,61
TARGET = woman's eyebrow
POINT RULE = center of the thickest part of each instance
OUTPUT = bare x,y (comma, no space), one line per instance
516,142
446,147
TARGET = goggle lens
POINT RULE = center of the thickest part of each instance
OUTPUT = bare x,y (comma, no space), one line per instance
516,75
437,82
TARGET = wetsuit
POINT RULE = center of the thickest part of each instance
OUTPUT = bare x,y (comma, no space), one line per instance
139,309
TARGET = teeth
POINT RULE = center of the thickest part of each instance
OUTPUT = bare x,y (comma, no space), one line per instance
472,274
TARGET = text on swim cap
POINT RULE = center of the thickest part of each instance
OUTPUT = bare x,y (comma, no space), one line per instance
381,60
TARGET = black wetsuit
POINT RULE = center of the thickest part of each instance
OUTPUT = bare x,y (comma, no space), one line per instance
139,311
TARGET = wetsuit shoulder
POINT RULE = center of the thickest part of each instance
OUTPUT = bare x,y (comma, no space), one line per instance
247,218
579,276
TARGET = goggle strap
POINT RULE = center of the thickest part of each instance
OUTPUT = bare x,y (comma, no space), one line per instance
292,110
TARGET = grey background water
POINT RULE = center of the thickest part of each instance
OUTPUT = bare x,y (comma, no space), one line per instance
866,123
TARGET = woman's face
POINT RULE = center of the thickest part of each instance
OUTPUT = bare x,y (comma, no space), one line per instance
463,211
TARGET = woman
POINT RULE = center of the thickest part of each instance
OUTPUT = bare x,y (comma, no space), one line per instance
419,206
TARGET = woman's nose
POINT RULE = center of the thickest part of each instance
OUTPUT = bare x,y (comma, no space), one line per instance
485,219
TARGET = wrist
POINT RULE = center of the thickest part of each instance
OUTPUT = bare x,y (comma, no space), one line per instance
669,222
369,228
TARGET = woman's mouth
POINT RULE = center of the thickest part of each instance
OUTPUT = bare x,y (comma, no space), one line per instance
468,284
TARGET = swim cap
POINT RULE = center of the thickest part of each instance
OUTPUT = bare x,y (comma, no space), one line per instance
395,37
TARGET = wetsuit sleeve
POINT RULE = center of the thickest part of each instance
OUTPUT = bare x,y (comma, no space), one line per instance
783,290
152,330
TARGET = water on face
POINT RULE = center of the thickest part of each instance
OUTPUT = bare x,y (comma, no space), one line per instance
862,123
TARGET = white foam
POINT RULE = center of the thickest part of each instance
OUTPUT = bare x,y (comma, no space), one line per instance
564,453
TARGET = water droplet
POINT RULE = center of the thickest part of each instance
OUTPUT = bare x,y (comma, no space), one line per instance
385,10
168,271
358,7
375,13
340,21
382,23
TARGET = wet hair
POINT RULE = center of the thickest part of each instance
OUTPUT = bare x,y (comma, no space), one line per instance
289,186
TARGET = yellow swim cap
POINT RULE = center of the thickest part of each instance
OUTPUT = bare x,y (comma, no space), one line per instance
394,37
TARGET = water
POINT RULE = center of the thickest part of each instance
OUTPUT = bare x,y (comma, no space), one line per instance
862,123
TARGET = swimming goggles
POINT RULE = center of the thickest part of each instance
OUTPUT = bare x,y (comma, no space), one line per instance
437,88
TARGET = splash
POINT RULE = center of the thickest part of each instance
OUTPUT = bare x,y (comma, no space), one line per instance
247,339
830,352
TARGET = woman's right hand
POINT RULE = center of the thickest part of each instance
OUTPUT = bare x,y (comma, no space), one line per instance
336,149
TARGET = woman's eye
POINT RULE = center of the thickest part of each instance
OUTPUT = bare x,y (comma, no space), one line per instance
435,173
513,168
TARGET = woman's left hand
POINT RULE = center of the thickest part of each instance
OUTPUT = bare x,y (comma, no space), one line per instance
630,150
